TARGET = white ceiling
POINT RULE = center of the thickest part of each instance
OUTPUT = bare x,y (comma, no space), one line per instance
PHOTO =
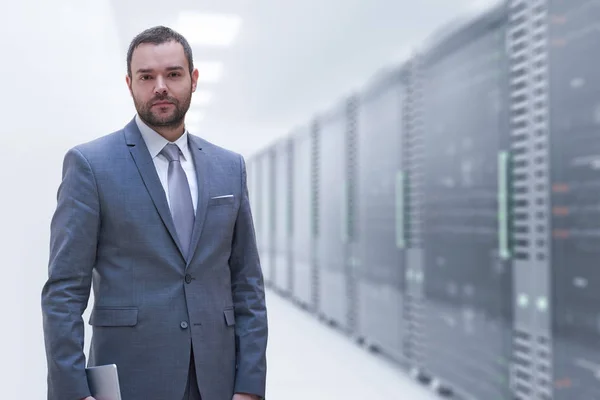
292,58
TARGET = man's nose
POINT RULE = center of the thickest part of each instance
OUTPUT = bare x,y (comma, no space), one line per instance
160,88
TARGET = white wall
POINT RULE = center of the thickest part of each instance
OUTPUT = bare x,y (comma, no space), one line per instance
62,72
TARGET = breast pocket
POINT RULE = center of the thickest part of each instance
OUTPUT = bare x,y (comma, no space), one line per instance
220,219
221,200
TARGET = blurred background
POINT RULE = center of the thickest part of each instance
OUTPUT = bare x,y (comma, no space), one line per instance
421,177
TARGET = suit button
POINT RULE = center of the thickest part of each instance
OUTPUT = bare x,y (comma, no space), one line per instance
188,278
183,325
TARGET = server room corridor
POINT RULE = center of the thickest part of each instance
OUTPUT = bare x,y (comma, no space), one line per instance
421,175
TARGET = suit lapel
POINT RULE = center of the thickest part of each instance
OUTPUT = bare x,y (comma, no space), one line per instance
145,165
202,167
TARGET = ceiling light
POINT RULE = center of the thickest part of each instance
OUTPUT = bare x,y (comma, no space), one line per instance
201,98
209,71
209,29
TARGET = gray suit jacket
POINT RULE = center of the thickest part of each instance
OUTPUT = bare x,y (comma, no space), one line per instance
112,227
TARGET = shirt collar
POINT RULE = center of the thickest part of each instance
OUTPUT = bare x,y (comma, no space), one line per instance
155,142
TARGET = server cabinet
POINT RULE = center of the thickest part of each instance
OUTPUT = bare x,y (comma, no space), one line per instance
412,161
574,119
532,371
556,98
467,275
303,282
282,208
253,192
255,169
331,254
267,217
381,214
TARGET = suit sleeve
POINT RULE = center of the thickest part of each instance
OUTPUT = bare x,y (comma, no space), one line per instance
249,300
73,239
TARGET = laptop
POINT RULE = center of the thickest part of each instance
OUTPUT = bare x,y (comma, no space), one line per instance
103,381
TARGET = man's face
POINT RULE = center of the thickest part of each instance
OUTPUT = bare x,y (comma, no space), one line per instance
160,83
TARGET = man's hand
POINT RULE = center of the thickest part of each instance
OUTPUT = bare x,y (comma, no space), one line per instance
245,396
89,398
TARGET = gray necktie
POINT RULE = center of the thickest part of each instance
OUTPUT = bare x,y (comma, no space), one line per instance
180,197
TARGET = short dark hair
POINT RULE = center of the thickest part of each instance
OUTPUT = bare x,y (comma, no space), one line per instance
159,35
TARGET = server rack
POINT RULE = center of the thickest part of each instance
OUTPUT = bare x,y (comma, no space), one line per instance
332,194
380,191
281,204
574,122
252,185
532,370
290,214
413,172
350,217
316,211
555,93
254,168
466,258
500,270
302,160
266,213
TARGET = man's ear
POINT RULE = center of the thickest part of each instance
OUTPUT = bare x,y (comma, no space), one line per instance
195,75
128,82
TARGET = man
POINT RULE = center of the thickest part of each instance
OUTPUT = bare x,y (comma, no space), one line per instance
159,222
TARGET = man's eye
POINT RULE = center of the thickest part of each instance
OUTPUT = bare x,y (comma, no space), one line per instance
145,77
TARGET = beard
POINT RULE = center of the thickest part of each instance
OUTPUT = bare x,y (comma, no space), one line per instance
154,118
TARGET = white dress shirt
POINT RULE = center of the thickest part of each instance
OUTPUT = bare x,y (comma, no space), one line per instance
155,143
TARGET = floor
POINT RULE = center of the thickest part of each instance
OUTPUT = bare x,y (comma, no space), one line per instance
309,360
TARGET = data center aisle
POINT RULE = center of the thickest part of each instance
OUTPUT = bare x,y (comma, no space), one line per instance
308,360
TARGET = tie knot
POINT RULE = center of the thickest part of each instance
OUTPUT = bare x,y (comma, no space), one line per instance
171,152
